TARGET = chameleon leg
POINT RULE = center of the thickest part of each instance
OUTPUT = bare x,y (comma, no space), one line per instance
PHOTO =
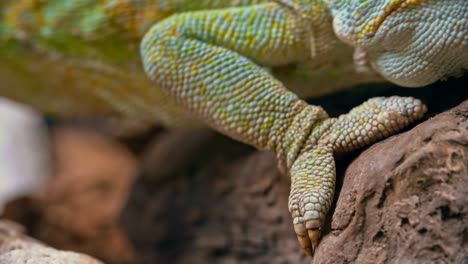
208,61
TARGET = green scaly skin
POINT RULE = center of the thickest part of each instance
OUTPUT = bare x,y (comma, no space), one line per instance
167,61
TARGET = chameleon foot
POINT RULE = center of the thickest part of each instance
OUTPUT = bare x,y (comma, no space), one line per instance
313,171
312,187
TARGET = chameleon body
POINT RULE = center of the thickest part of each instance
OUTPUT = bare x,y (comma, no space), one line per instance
167,61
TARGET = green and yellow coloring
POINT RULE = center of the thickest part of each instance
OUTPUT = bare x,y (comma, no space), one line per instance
169,61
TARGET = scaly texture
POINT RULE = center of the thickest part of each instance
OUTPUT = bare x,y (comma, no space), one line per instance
409,42
212,60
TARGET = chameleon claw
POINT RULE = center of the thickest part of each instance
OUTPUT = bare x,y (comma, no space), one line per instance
303,238
308,238
314,235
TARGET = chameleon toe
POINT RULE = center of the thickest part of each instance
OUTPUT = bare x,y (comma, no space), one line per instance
308,238
375,119
314,235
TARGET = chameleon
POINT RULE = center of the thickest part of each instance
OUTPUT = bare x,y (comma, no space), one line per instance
242,67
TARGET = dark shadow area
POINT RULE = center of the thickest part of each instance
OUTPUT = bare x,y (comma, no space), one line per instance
438,97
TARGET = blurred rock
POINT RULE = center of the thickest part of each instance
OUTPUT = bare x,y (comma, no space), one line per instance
81,207
218,201
24,151
17,248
